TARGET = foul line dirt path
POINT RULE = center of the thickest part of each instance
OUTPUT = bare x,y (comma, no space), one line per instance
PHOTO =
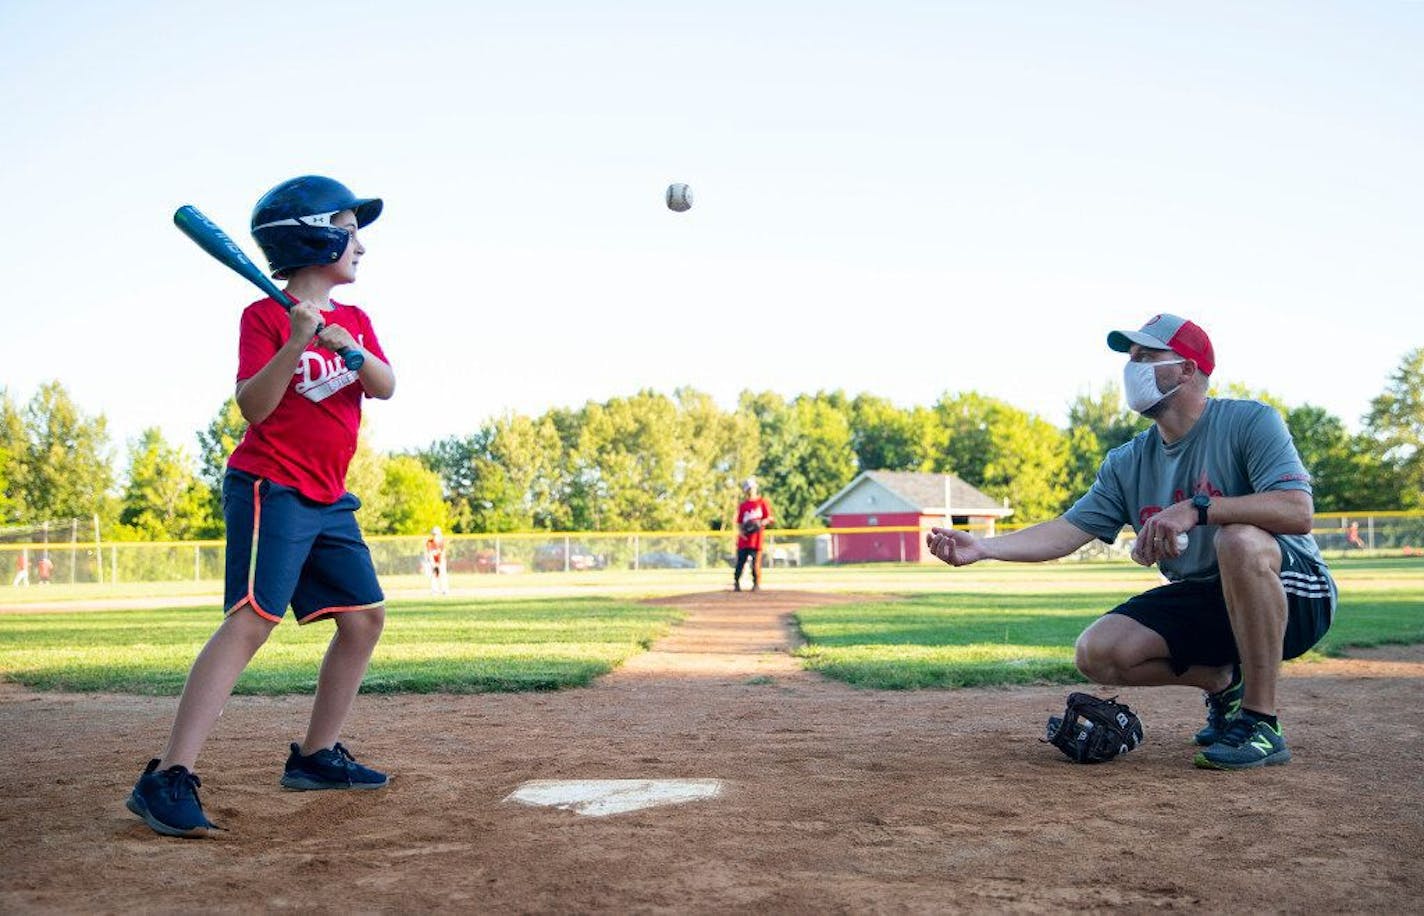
727,636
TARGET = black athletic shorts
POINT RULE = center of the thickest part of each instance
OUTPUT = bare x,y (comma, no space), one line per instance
1191,615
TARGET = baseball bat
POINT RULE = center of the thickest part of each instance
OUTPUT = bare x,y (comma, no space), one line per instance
191,221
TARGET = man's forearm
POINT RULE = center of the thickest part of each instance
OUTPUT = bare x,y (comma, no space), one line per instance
1044,541
1276,511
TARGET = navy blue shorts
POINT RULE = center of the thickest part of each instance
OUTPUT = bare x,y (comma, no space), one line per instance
284,549
1191,616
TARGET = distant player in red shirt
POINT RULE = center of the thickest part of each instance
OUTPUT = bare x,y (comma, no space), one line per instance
435,562
753,515
292,537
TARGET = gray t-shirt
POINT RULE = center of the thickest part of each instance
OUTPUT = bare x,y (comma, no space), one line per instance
1235,448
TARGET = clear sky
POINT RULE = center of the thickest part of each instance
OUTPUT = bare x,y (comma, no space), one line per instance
896,198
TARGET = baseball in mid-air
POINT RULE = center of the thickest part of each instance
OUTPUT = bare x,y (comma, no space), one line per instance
679,197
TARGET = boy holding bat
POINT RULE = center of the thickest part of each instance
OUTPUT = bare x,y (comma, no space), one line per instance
292,537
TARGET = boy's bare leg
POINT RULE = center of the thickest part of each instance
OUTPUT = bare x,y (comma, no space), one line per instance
210,683
1250,562
357,633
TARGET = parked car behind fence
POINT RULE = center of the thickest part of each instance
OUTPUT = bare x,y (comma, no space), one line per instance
665,559
551,558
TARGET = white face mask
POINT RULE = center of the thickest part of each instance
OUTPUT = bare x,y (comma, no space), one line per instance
1139,384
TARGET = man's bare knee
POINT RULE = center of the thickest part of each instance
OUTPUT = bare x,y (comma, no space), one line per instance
1109,650
1096,660
1247,549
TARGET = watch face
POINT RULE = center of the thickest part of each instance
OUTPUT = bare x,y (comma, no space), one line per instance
1201,500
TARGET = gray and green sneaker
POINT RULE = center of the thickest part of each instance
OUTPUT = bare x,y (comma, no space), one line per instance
1248,743
1221,708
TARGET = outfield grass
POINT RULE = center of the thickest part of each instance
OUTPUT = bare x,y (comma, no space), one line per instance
1023,632
450,645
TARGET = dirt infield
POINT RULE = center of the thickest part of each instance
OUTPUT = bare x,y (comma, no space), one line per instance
837,799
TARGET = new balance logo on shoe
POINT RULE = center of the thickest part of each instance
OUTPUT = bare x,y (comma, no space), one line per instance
1247,743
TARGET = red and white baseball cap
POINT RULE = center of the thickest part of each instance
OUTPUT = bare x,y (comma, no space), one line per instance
1168,332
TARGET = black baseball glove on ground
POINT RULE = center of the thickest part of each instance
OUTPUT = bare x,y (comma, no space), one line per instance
1093,729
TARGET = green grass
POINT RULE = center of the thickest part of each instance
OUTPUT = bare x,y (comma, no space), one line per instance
1368,618
1023,631
989,624
451,645
964,639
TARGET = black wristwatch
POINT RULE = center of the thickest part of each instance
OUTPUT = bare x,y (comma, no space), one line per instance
1202,503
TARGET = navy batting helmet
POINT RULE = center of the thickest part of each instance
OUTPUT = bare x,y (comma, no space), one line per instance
292,222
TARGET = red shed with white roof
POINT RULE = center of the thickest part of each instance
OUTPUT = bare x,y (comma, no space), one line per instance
902,499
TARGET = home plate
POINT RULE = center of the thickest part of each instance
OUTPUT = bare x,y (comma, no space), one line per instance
601,797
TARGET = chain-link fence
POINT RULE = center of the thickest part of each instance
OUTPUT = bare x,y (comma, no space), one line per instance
1351,532
576,552
70,559
47,551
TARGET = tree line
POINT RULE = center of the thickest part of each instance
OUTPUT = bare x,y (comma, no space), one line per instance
659,462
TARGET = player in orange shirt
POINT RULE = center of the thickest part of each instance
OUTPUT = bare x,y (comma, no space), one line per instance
435,562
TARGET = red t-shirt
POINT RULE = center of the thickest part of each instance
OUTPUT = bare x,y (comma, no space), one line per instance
751,509
308,441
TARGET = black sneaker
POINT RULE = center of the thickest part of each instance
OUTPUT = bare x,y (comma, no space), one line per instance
1221,708
167,800
330,768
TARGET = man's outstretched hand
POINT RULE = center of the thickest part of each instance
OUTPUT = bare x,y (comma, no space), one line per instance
957,548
